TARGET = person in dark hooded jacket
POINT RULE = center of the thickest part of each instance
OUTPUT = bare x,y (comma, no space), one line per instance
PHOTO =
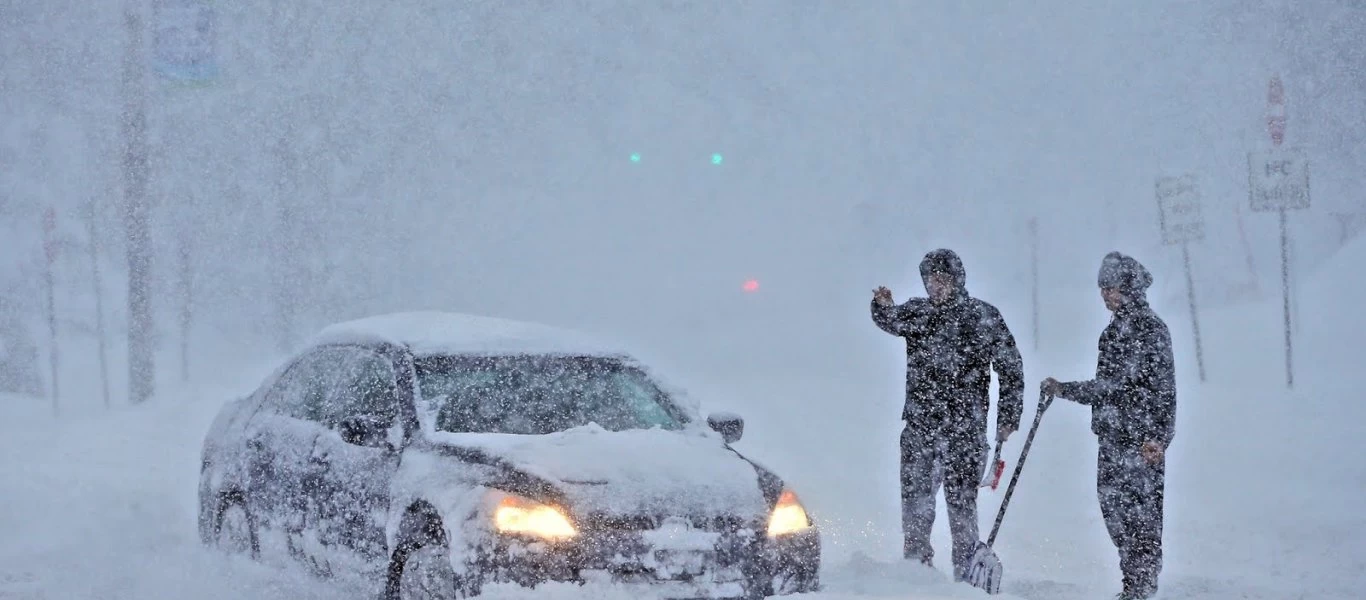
1133,415
953,342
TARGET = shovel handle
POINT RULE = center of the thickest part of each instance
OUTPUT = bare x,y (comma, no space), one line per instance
1044,401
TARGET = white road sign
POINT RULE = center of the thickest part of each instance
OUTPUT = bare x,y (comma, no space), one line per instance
1178,202
1278,179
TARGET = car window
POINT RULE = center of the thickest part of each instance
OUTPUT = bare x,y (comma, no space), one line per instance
642,399
303,386
541,394
362,383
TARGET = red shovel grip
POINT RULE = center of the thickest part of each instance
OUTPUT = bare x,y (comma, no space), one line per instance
996,471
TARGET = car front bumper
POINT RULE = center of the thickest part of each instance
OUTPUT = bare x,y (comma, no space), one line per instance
672,564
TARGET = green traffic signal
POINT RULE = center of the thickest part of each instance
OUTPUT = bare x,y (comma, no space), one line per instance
716,158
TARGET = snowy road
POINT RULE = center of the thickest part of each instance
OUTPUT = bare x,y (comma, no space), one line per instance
103,507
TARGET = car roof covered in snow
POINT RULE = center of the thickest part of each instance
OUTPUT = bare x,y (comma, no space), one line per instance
434,333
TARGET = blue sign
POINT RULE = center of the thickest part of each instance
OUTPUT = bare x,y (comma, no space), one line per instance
184,40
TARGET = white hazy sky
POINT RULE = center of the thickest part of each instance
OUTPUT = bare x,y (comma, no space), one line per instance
474,156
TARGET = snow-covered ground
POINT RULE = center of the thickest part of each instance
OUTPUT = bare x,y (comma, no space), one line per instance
1263,493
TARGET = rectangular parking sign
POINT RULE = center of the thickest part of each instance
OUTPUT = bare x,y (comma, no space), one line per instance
1278,179
1178,203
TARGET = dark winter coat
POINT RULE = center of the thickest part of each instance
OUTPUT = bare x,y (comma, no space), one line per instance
951,350
1133,395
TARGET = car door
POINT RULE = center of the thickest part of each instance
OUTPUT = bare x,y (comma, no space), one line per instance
356,457
279,438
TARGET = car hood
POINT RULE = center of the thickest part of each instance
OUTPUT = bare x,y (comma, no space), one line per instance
653,472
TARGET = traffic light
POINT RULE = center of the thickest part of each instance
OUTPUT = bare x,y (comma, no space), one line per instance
716,158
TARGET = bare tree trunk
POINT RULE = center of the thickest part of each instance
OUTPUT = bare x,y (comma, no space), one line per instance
93,232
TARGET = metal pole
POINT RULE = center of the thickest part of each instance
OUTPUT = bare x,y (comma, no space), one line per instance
1285,285
1294,288
1254,288
1195,318
52,331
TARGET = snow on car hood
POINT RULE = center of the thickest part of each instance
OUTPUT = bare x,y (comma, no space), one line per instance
638,472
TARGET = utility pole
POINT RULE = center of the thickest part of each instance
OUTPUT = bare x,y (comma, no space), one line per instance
141,359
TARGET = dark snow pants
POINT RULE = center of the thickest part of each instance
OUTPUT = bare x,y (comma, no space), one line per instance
1131,492
928,459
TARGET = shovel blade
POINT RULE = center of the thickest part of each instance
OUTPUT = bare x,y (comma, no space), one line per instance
985,570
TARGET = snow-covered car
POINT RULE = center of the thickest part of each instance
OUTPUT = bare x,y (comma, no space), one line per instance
435,453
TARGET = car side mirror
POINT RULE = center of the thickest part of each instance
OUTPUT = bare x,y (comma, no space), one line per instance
730,425
369,431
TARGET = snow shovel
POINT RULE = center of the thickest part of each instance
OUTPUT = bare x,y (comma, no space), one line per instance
985,569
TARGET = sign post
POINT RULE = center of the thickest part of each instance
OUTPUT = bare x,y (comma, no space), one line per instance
184,54
1178,203
1278,180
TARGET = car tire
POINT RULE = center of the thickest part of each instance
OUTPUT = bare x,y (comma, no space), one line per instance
757,590
234,528
427,575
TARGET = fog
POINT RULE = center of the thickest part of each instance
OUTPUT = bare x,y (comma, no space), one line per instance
628,167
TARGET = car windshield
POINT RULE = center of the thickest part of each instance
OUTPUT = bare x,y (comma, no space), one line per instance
541,394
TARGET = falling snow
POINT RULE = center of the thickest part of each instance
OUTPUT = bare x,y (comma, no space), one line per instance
655,269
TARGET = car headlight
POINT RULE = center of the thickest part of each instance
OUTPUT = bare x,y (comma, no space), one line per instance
521,516
788,516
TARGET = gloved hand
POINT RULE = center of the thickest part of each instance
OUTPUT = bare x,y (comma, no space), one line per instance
1051,386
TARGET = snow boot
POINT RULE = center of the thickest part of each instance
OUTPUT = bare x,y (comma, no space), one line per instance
1137,592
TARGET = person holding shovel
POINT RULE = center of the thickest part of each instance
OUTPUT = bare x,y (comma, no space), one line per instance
1133,415
953,342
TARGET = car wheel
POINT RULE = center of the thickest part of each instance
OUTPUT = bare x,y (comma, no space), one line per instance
427,575
234,530
795,583
757,589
